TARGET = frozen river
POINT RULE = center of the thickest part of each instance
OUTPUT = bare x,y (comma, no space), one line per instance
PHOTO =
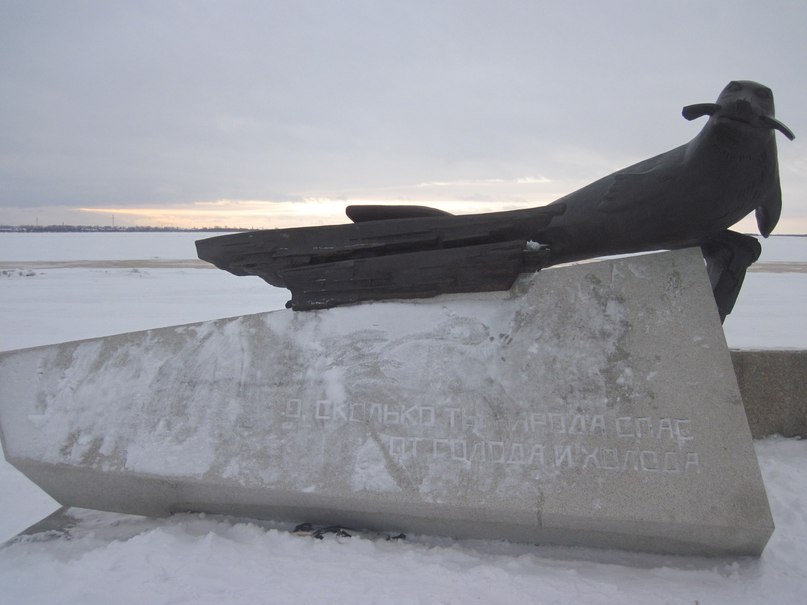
56,287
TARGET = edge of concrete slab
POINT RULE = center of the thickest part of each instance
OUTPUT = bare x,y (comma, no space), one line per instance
773,386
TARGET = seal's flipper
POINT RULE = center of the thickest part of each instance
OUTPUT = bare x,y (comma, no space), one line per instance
376,259
768,213
777,125
376,212
728,256
692,112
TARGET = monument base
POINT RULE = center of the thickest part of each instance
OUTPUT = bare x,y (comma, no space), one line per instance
592,405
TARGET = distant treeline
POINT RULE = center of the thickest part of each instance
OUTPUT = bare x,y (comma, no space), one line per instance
107,229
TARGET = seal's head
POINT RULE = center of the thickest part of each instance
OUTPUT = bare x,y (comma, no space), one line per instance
743,104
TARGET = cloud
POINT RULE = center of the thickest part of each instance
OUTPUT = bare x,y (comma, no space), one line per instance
485,182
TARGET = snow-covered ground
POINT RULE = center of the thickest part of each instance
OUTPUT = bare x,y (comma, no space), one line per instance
195,559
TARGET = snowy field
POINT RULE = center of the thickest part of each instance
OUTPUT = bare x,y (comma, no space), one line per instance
196,559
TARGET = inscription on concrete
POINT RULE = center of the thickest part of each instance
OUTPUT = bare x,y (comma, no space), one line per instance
585,435
594,404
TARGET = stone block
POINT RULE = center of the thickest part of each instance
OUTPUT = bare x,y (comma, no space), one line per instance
773,385
592,404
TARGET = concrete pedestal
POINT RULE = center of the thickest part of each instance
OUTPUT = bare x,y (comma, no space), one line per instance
594,404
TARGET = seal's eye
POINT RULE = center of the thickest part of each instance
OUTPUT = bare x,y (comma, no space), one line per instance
764,93
734,87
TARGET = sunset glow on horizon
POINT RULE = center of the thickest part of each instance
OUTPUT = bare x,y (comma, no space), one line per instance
254,214
269,214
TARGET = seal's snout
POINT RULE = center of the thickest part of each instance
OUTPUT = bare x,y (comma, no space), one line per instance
741,102
743,106
749,103
741,110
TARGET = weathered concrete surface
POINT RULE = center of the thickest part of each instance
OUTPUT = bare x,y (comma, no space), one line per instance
592,405
773,385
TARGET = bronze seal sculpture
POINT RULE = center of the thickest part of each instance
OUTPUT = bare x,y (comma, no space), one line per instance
688,196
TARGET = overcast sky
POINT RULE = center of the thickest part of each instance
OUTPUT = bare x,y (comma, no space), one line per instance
271,113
